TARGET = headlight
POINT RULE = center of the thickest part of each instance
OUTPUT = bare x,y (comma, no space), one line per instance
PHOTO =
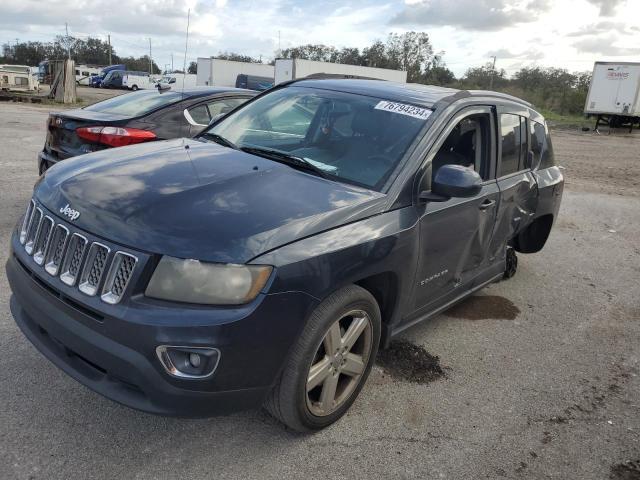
193,281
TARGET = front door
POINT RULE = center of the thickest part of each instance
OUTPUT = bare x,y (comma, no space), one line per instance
455,235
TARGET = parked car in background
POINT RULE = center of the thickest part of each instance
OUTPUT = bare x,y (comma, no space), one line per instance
254,82
135,117
264,261
96,80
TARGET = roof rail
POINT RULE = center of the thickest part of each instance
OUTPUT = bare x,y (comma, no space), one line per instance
329,76
506,96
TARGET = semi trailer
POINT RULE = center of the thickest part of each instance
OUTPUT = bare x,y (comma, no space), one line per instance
293,68
614,94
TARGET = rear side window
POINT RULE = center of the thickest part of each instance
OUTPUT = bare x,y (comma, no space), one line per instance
136,103
200,114
541,145
222,107
514,139
203,114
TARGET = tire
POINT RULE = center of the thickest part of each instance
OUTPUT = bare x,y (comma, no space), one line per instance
289,400
134,88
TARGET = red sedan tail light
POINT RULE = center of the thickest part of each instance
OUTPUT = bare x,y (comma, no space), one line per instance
115,136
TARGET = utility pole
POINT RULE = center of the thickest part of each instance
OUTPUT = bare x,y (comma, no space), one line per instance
109,42
172,63
493,73
68,41
186,46
150,59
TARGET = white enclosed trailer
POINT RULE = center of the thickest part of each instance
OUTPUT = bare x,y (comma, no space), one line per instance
224,73
293,68
614,93
176,80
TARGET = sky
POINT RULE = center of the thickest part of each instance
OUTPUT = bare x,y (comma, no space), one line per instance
570,34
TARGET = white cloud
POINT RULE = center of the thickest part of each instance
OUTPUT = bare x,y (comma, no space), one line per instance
544,32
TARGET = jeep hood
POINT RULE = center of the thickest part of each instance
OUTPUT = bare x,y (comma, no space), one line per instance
190,199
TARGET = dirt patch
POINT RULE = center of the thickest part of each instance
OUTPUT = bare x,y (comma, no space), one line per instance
406,361
599,163
482,307
628,470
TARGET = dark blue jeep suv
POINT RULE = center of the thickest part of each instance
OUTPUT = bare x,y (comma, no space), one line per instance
266,260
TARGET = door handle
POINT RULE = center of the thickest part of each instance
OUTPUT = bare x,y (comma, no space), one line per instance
486,204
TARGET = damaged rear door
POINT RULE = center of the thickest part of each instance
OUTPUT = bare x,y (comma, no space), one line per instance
516,182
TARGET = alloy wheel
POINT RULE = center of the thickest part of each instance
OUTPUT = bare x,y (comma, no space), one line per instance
339,363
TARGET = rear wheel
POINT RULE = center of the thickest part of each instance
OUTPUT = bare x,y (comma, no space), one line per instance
330,363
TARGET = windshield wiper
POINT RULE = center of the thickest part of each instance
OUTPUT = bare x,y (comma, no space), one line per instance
220,140
286,158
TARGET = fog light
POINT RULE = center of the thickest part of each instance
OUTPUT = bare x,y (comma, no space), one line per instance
188,362
194,360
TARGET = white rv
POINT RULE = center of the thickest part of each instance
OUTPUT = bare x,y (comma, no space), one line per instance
18,78
293,68
85,72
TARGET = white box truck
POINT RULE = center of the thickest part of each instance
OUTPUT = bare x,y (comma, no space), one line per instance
224,73
614,94
293,68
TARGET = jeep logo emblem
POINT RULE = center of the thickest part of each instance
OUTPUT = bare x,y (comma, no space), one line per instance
70,212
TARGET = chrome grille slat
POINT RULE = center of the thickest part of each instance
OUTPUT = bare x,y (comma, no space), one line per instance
25,221
42,239
118,277
32,230
94,267
73,259
56,248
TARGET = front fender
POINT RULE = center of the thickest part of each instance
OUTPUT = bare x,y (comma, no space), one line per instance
326,262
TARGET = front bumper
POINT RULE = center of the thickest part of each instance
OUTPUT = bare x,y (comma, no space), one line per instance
116,356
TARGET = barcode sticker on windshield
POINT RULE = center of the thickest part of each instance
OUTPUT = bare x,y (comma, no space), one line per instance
404,109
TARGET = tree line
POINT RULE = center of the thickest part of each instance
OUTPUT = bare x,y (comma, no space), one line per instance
92,51
553,89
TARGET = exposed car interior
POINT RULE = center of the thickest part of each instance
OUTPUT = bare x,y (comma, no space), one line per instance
467,145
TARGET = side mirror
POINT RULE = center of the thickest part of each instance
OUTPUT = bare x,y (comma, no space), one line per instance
453,181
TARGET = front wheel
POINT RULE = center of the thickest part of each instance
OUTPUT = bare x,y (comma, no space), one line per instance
330,362
134,88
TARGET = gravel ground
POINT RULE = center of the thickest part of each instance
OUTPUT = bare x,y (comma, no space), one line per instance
89,95
541,372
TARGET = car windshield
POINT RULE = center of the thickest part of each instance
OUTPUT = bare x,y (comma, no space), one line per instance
136,103
353,138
